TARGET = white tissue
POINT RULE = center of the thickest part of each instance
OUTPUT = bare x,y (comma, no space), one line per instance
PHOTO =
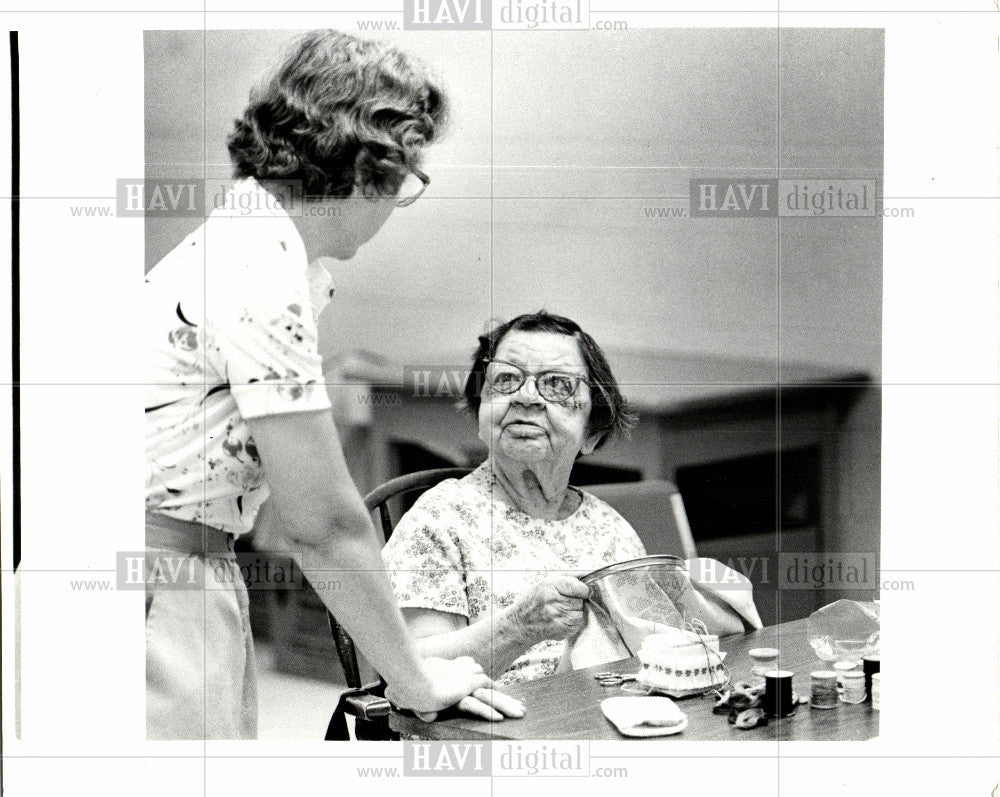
644,716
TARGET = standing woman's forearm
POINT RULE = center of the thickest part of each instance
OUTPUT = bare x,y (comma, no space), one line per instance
348,574
316,515
495,641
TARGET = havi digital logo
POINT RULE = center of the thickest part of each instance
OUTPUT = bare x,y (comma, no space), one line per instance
447,14
468,759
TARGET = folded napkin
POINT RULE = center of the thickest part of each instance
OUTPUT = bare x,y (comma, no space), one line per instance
644,716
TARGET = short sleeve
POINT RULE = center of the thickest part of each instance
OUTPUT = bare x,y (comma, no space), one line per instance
621,542
629,544
423,558
263,338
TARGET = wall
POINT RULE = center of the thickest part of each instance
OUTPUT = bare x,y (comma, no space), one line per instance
574,123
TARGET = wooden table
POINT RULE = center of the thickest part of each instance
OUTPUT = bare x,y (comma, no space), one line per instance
568,706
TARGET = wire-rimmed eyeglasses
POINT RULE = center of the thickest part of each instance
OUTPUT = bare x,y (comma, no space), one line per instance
555,386
414,184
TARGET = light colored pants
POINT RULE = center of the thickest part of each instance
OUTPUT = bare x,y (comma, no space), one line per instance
201,671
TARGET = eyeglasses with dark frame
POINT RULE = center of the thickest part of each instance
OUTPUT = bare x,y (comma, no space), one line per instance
409,190
553,386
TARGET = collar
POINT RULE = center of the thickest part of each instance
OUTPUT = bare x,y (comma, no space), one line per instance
249,198
320,286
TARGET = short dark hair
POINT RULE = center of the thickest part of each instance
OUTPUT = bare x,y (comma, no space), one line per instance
339,112
609,412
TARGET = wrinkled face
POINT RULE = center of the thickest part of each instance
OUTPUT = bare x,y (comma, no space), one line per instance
523,426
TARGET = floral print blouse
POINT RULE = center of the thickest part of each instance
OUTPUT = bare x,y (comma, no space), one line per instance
464,548
230,335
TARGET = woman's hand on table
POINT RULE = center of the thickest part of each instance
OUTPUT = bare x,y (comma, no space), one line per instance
448,682
551,609
491,705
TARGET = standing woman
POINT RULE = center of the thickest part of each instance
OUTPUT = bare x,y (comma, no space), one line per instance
236,407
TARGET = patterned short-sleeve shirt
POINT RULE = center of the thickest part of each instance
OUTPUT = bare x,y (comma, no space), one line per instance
231,335
465,549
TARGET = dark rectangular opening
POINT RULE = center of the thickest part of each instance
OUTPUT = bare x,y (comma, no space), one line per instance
585,473
740,496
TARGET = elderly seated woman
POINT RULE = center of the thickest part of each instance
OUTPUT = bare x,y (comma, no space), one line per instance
486,566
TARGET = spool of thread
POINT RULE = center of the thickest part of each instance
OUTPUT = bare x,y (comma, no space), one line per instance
824,689
841,667
853,687
870,665
876,690
777,700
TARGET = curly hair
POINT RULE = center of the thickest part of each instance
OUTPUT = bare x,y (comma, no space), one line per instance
609,412
339,112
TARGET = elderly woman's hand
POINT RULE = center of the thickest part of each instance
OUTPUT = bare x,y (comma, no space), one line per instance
551,609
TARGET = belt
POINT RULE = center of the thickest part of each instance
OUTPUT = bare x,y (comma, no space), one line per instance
186,537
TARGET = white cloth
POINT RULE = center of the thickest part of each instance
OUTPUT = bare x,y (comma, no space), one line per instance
465,549
231,334
644,716
711,593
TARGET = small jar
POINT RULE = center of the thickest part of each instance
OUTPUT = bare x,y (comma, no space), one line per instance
852,686
876,689
764,660
824,689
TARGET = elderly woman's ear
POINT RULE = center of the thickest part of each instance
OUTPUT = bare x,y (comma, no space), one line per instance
590,443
